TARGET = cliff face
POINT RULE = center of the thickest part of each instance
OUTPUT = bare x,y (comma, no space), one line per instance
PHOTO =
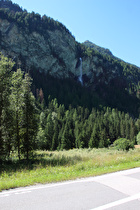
55,52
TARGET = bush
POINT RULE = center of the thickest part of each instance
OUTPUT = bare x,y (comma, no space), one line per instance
123,144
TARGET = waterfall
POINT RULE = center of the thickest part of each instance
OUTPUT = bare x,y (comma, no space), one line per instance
80,77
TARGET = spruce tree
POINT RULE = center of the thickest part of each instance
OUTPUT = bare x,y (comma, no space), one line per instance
66,140
55,141
29,118
49,132
103,139
94,139
76,134
132,130
16,102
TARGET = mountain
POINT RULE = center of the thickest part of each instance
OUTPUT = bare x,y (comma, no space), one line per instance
48,51
101,50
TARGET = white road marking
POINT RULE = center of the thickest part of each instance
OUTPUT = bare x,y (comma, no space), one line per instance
16,193
6,195
119,202
23,192
42,187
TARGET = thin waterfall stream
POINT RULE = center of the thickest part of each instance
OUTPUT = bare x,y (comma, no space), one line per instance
80,77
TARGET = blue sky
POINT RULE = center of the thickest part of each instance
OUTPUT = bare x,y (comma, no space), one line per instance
113,24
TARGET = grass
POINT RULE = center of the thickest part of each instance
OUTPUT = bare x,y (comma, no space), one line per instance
47,167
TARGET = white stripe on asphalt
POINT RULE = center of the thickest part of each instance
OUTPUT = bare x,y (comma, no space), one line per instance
5,195
23,192
119,202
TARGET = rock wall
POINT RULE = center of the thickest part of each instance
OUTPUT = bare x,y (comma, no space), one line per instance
54,52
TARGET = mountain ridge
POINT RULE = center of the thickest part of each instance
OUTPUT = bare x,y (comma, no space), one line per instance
41,45
101,50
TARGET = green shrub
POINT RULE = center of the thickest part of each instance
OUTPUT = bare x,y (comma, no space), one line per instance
123,144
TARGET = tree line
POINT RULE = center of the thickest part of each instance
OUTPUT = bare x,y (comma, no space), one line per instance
61,128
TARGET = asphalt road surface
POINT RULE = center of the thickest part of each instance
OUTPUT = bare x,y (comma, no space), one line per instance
115,191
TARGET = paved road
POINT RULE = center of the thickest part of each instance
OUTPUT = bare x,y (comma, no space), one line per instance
120,190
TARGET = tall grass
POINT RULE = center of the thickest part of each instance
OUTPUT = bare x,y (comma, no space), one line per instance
56,166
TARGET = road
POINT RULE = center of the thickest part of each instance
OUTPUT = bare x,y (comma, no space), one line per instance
120,190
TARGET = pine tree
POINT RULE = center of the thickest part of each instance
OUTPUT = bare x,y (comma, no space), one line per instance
66,140
76,134
16,102
94,139
8,130
29,118
49,131
55,141
122,128
86,130
132,130
103,139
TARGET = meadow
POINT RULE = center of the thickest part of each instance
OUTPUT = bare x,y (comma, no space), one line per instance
56,166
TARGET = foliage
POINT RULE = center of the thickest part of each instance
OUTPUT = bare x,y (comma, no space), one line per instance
138,138
123,144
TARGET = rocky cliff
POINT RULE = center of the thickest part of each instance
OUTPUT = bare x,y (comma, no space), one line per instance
55,52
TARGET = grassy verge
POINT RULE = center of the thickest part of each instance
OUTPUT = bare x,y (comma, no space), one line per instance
56,166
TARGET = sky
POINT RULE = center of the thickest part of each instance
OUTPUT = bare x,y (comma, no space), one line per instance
112,24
